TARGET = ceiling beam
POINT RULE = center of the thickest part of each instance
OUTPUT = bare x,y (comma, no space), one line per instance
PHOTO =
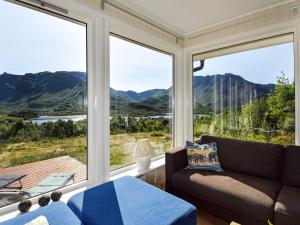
140,17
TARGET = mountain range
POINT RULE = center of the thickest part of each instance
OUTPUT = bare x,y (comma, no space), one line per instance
43,93
63,92
220,91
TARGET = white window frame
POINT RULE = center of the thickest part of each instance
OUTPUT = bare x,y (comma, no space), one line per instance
267,32
130,32
242,47
132,166
96,27
99,27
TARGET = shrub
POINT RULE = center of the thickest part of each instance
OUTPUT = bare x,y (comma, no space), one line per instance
157,133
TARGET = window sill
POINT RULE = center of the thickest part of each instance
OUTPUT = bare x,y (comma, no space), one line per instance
132,170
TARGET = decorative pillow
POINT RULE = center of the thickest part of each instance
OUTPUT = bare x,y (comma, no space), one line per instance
203,157
41,220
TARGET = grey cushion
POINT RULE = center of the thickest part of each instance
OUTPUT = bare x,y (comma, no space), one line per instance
248,195
287,207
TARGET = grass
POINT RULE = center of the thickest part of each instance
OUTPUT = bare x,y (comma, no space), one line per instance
6,118
122,147
26,152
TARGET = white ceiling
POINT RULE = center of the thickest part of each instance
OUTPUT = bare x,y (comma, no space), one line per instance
189,16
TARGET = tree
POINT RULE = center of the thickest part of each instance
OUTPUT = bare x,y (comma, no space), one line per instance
117,125
281,104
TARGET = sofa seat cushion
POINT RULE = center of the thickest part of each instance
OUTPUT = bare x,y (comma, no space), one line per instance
130,201
57,213
244,194
287,207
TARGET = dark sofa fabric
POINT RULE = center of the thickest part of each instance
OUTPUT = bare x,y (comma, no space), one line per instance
260,182
175,160
287,208
225,214
292,167
253,158
231,190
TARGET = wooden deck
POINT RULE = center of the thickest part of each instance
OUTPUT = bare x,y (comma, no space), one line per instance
37,171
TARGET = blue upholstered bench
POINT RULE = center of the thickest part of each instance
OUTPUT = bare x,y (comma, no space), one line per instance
126,201
130,201
57,213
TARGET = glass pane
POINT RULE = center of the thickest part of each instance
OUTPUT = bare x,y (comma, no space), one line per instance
248,95
141,100
43,103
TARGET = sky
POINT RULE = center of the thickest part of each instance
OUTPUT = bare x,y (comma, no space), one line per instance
32,41
135,67
261,65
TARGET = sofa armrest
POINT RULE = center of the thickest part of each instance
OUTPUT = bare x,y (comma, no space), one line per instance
176,159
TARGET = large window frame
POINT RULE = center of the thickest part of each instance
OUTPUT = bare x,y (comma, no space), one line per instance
87,24
99,27
230,47
95,69
131,166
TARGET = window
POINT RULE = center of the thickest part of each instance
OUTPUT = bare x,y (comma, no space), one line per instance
246,91
140,100
43,102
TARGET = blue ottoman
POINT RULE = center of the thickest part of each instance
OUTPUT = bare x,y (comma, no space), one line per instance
130,201
56,213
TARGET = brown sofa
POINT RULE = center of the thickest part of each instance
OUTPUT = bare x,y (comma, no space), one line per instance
260,182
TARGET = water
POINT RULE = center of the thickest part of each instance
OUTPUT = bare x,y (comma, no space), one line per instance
45,119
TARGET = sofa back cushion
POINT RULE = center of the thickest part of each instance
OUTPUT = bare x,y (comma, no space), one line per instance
253,158
291,175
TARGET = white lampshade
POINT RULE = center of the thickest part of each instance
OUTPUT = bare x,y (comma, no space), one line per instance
143,148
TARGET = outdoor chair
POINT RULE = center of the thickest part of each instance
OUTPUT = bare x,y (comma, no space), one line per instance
7,179
51,183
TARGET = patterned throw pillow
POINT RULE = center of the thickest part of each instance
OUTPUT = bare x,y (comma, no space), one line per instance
203,157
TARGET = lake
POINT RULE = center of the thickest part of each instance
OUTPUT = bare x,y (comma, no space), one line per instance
45,119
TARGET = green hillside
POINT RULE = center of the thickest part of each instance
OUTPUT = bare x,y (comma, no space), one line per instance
64,93
43,93
225,90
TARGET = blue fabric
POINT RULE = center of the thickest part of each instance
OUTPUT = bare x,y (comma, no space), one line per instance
130,201
56,213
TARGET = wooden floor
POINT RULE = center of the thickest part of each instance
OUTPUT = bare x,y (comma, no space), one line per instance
207,219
